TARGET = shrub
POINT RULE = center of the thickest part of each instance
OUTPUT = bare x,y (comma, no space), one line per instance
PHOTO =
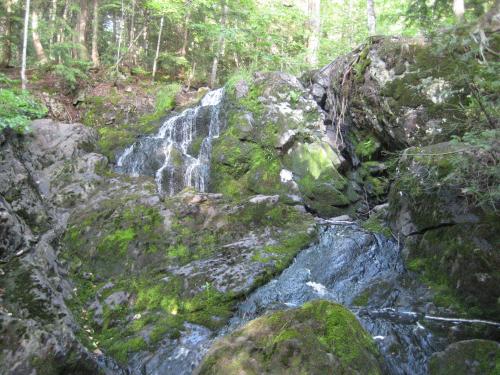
17,108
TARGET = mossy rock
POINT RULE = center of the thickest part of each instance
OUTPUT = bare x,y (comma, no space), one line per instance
319,338
467,357
451,239
185,259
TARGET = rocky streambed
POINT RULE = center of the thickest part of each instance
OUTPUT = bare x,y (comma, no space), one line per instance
360,270
216,252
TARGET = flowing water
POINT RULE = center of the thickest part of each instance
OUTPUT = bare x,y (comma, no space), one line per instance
361,270
365,272
178,155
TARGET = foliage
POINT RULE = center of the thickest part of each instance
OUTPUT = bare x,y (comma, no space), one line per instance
476,170
165,98
72,73
17,108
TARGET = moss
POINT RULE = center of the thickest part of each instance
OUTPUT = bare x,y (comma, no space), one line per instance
376,225
21,291
122,350
129,244
318,338
450,262
466,357
363,63
70,363
366,148
362,298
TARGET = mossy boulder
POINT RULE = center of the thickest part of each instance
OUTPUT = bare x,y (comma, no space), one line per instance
143,267
444,207
467,357
319,338
275,142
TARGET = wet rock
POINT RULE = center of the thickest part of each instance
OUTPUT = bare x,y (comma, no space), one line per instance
447,239
466,357
241,89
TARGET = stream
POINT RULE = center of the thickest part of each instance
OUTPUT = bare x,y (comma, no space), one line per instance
348,265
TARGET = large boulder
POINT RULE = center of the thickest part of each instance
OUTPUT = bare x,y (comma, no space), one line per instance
275,142
39,332
184,260
442,205
318,338
467,357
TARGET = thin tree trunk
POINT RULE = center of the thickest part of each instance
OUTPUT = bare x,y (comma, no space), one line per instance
155,62
60,35
221,45
314,8
131,36
40,52
371,19
95,31
132,25
145,36
185,34
115,37
459,9
120,36
7,44
24,80
81,29
53,13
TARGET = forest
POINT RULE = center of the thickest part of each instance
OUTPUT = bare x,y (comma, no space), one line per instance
242,187
204,42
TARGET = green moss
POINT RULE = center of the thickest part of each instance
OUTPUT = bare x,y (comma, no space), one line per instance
363,63
21,291
466,357
318,338
121,350
366,148
119,240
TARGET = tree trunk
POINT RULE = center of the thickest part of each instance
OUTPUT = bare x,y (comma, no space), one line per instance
185,34
60,35
220,46
115,33
80,31
53,13
314,7
155,62
37,43
371,19
145,35
132,25
7,44
131,36
95,31
24,80
120,36
459,9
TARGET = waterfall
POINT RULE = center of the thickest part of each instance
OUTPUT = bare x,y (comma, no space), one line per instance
178,155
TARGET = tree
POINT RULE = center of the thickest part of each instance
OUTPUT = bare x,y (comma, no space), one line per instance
220,45
95,30
314,13
371,19
459,9
155,62
37,43
80,31
7,44
24,80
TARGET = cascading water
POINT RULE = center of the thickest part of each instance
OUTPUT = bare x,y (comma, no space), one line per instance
178,155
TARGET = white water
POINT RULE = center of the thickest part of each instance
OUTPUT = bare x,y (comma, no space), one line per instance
169,155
